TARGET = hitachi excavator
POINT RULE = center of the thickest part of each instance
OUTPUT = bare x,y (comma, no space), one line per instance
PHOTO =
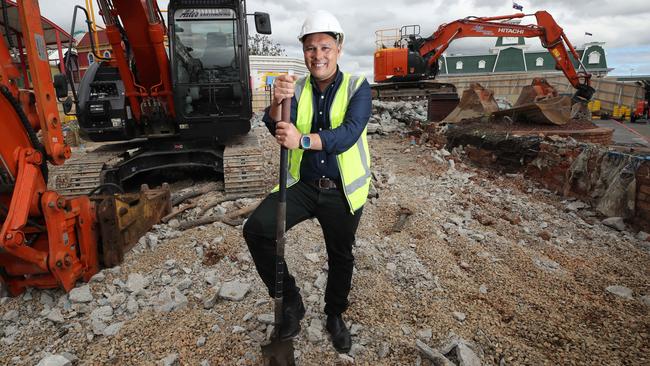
188,105
411,62
48,240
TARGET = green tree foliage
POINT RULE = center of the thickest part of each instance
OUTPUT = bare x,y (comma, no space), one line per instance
261,45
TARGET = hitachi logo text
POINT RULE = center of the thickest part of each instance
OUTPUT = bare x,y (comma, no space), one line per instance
511,31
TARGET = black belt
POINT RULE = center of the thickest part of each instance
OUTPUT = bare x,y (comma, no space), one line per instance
325,183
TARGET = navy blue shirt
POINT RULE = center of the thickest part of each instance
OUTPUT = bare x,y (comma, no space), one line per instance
323,164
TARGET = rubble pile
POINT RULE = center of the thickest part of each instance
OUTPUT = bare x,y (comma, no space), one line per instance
390,117
488,269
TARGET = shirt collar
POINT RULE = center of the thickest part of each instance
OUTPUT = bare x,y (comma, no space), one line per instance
337,80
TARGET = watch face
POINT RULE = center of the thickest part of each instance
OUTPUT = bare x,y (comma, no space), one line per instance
305,142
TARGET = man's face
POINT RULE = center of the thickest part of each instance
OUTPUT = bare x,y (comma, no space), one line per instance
321,55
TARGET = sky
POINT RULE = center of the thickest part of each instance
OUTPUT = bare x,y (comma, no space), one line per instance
623,25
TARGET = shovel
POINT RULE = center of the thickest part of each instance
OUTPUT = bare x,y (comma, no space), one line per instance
280,352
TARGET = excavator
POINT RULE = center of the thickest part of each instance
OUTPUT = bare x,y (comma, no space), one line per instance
48,240
188,105
51,240
411,63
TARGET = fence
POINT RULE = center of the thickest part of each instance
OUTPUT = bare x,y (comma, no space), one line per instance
611,93
261,98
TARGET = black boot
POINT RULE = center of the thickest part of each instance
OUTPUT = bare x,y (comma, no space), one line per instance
292,313
340,334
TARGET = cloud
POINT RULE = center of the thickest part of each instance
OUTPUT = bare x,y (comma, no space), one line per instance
622,25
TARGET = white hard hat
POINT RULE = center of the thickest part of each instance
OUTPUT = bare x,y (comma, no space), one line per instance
321,21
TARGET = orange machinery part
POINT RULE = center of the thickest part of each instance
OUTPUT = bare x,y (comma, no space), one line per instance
390,62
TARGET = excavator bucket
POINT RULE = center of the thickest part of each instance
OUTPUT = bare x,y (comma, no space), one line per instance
124,218
476,102
551,110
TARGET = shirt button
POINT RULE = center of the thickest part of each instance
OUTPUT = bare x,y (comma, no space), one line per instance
322,97
320,129
320,112
322,161
323,176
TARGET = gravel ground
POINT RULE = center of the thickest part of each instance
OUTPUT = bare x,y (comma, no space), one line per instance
520,275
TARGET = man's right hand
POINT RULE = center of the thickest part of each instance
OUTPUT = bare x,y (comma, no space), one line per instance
283,87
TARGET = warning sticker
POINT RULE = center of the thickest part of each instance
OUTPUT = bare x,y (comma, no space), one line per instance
40,46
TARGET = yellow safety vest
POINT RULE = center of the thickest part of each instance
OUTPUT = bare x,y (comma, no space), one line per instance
354,163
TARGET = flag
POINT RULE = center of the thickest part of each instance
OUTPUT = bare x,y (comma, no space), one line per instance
588,34
517,6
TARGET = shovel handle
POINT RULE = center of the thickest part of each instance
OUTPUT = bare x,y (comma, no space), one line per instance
281,218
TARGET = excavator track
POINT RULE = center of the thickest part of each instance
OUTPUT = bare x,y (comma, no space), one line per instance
243,167
80,174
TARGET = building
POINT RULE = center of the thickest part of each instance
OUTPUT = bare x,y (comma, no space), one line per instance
85,55
512,55
264,69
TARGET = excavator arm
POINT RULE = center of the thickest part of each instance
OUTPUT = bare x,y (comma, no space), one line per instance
547,30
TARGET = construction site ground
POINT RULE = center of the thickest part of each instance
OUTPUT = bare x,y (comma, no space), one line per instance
492,259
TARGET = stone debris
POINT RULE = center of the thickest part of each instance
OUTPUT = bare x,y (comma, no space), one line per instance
81,294
474,231
620,291
54,360
615,223
234,290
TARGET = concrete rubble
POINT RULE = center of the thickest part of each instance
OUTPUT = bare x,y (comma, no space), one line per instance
492,258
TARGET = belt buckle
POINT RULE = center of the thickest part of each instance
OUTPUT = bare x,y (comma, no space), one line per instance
324,183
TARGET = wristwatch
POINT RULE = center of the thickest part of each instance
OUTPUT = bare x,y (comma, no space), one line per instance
305,142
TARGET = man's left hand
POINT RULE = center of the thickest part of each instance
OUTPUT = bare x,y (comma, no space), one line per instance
287,135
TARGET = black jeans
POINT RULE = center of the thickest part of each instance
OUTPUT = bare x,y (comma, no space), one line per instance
305,201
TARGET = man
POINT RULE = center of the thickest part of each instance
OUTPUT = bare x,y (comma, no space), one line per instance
329,171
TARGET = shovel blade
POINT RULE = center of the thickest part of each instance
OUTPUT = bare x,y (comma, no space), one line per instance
278,353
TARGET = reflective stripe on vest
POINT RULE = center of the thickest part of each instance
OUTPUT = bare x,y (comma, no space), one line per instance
354,163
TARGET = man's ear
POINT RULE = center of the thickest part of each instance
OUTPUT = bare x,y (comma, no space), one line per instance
340,50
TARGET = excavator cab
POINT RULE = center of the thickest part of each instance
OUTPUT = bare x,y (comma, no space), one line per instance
210,69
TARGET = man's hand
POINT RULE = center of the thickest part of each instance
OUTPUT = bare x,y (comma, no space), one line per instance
287,135
283,87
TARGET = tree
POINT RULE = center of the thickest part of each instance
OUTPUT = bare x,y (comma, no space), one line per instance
261,45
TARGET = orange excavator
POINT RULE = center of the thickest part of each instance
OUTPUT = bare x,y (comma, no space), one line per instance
412,61
48,240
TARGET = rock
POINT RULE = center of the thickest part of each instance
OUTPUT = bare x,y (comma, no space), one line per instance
642,235
356,350
615,223
459,316
576,205
132,305
205,363
210,300
170,360
234,290
152,240
81,294
170,264
237,329
266,318
315,331
466,357
432,354
10,316
184,284
116,300
355,328
169,300
136,283
98,277
321,281
248,316
344,360
546,264
46,299
200,342
483,289
166,279
104,313
72,358
424,334
112,329
211,277
54,360
97,326
464,265
620,291
55,316
384,350
312,257
545,235
646,299
391,267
